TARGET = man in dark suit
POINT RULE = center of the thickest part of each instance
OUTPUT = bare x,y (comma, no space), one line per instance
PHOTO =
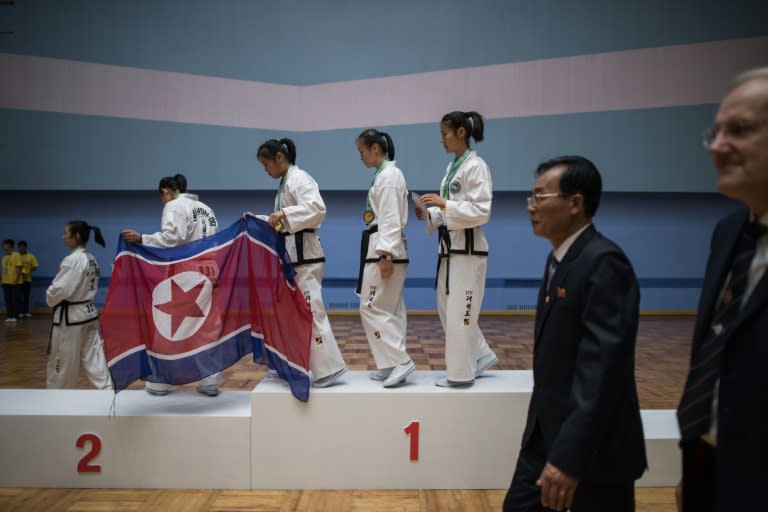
723,413
583,445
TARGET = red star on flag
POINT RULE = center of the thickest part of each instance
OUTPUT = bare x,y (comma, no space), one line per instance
182,304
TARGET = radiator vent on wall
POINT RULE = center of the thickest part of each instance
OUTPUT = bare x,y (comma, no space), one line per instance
343,305
521,307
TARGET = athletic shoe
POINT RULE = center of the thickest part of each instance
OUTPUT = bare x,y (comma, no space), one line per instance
382,374
324,382
485,363
10,320
399,373
28,315
443,382
156,392
208,390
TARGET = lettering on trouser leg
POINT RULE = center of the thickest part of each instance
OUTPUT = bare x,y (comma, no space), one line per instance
57,366
468,306
377,335
371,295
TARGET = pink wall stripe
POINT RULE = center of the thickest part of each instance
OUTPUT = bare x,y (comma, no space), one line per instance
646,78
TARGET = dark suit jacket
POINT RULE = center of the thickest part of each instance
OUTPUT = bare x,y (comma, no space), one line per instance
742,440
584,414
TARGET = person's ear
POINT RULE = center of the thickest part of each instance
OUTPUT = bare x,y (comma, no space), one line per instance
576,203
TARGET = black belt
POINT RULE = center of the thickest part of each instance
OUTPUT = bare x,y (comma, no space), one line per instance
63,309
299,239
444,238
364,242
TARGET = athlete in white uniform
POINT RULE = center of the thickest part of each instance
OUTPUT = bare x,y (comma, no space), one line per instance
185,219
299,210
384,260
75,337
463,205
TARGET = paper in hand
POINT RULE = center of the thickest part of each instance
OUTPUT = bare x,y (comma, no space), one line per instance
416,198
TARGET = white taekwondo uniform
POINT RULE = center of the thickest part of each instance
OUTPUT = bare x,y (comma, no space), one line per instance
299,199
184,220
75,337
462,264
382,307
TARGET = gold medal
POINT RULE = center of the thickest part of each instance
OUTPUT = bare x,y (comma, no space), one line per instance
279,226
368,216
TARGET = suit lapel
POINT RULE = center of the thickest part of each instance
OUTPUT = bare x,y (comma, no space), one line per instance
717,271
546,297
541,301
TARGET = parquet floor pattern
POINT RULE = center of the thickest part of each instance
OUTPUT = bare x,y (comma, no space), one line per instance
661,361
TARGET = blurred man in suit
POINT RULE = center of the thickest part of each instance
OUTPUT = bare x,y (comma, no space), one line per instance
583,445
723,413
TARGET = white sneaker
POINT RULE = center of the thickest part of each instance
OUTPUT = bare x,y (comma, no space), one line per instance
28,315
208,390
324,382
10,320
382,374
485,362
399,373
443,382
156,392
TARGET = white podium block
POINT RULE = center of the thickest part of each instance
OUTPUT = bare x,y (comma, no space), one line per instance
661,445
351,436
68,438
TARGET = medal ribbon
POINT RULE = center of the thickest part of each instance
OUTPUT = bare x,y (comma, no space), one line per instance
280,189
452,172
380,168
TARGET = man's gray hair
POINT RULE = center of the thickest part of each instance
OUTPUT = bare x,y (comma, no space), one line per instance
752,74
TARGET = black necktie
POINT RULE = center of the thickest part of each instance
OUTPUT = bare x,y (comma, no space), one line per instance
695,410
551,270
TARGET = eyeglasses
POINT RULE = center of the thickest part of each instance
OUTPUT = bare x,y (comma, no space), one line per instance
536,199
737,130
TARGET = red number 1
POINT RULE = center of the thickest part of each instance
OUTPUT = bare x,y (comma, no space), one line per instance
84,465
412,429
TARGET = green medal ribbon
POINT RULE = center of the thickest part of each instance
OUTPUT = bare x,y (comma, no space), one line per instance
452,172
280,189
368,217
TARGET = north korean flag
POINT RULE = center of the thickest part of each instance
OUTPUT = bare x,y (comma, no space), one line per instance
181,314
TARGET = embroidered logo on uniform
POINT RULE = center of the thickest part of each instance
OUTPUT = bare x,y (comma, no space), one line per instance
467,306
455,187
377,335
319,340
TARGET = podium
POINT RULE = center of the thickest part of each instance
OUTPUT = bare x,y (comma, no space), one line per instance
354,435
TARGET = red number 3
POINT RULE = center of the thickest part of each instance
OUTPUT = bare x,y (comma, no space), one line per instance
85,466
412,429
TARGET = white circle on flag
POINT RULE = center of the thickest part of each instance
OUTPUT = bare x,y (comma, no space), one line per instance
180,305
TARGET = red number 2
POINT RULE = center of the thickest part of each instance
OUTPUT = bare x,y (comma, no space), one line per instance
412,429
85,466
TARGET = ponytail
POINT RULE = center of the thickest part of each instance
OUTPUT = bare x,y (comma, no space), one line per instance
272,147
472,122
372,136
82,230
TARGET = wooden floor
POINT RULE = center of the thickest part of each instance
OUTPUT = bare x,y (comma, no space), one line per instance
661,361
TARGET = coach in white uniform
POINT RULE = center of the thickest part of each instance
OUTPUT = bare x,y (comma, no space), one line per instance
185,219
299,210
75,337
463,205
384,260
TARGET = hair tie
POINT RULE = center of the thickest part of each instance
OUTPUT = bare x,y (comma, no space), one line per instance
471,123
